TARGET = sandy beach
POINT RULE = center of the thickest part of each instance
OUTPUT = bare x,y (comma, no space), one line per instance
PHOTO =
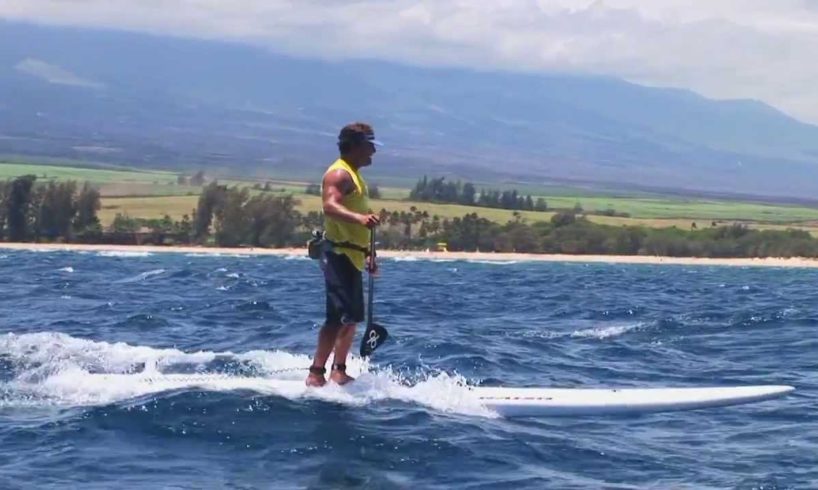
423,255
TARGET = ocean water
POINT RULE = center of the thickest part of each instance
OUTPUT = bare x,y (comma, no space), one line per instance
66,316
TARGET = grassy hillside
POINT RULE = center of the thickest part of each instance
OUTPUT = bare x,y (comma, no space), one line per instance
177,206
95,175
688,209
152,194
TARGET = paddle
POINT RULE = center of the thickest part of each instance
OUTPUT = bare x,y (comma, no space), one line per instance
375,334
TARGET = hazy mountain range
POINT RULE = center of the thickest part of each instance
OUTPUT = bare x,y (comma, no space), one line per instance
164,102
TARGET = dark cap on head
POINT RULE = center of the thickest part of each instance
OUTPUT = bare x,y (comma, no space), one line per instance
356,133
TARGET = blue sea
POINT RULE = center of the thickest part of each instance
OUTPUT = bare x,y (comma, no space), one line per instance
67,316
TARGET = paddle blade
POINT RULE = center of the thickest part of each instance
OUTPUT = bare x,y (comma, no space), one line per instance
374,336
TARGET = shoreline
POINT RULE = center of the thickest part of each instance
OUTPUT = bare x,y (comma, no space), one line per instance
423,255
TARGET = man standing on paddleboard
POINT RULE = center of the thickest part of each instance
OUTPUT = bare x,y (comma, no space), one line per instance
347,223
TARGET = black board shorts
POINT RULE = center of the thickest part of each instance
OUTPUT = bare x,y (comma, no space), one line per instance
345,291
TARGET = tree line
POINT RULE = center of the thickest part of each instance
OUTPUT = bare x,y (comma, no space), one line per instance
233,216
569,233
53,211
441,191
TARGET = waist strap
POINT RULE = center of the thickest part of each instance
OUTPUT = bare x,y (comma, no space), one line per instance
351,246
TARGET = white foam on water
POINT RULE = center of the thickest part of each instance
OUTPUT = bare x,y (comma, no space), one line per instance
67,269
786,312
122,253
296,257
43,353
405,259
605,332
412,258
142,276
539,334
598,332
55,369
492,262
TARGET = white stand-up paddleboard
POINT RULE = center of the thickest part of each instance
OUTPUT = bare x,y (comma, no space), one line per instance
517,402
508,402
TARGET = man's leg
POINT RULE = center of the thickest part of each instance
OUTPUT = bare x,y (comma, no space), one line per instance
355,313
343,342
333,282
344,305
326,340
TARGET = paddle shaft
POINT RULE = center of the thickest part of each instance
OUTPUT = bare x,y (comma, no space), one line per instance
375,334
371,285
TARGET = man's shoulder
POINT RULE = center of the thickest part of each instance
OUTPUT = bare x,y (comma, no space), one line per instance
339,177
338,174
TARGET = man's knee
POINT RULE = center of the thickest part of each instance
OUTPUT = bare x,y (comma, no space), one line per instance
346,331
340,327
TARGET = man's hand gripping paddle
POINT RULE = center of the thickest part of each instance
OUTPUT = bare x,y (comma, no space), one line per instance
375,334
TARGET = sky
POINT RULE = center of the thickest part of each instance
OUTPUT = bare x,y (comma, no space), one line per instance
758,49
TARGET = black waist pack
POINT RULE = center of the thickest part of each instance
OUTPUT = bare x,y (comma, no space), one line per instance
319,243
316,244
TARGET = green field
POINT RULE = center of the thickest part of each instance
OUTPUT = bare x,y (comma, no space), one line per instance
144,207
151,194
177,206
688,209
94,175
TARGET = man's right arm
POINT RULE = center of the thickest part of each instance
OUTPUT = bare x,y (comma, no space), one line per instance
336,185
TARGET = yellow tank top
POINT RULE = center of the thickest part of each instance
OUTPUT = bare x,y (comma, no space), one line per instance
343,231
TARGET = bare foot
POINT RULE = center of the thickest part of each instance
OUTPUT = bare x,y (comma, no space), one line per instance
340,377
315,380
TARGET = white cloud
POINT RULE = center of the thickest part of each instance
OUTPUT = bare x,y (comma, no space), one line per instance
762,49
